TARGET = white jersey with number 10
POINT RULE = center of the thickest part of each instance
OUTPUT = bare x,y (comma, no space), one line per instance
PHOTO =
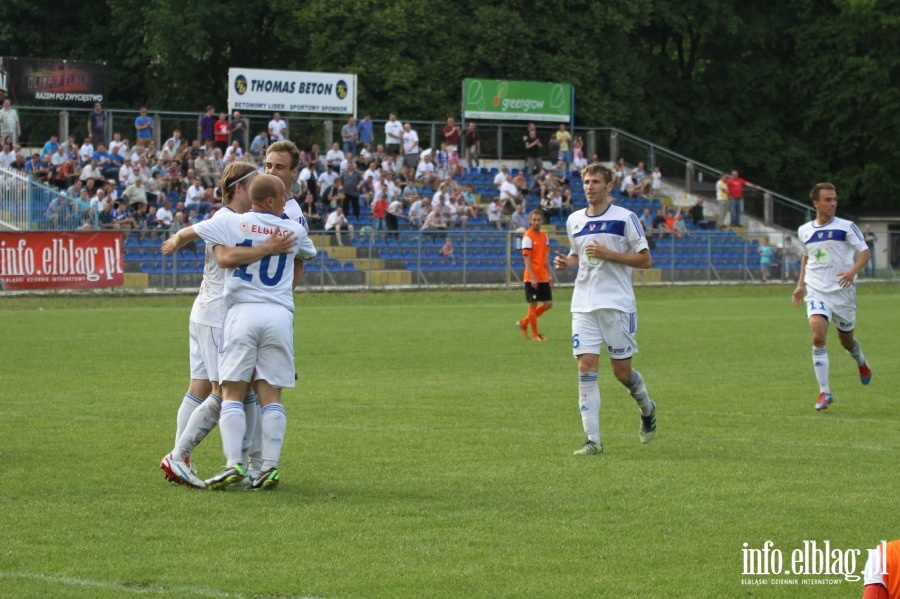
269,280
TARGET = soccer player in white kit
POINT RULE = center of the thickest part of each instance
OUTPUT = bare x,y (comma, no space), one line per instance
258,331
607,242
835,251
197,417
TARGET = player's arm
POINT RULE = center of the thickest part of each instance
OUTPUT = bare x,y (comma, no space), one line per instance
563,261
847,278
800,290
179,240
529,268
640,259
298,271
232,257
875,591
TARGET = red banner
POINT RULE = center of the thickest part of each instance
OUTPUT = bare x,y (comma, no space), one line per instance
60,260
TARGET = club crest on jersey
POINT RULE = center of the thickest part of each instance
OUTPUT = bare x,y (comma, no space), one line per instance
244,226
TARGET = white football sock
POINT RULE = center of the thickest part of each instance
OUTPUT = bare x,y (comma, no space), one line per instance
232,425
189,403
820,366
202,421
638,391
589,404
856,354
251,411
274,424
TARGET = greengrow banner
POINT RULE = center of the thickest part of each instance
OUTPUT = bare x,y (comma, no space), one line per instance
36,80
58,260
291,91
517,100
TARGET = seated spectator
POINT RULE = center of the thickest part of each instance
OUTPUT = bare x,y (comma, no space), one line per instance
105,219
334,157
659,225
393,216
203,170
519,222
335,195
233,152
500,178
59,212
647,221
35,168
696,214
195,198
418,211
310,209
86,151
90,171
510,196
66,174
447,250
473,207
435,224
122,215
164,216
678,226
337,221
495,214
135,193
426,173
259,144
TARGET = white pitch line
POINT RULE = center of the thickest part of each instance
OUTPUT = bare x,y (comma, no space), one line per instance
180,591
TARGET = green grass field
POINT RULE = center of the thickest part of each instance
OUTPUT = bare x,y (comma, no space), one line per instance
429,452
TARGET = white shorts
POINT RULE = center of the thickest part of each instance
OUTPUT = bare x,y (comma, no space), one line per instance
258,344
590,330
204,351
839,307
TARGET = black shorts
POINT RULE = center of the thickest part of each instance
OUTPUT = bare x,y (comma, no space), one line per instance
543,293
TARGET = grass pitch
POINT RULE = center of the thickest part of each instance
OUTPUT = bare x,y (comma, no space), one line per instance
428,453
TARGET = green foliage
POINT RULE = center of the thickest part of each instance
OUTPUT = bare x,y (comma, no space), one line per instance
428,452
789,93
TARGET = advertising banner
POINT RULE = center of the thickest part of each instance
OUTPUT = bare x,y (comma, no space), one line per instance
517,100
60,260
291,91
35,80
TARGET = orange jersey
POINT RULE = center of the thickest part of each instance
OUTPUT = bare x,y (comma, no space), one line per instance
888,571
536,248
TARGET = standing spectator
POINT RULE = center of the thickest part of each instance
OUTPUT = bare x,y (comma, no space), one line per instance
871,240
392,217
96,125
656,182
410,146
473,145
564,139
143,126
379,209
221,130
536,254
277,127
350,181
451,135
238,129
350,135
736,196
533,150
393,135
788,259
604,311
9,123
334,156
205,131
765,258
834,253
722,199
59,212
365,131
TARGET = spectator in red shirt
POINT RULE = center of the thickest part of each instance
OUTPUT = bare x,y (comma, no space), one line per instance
221,130
736,196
